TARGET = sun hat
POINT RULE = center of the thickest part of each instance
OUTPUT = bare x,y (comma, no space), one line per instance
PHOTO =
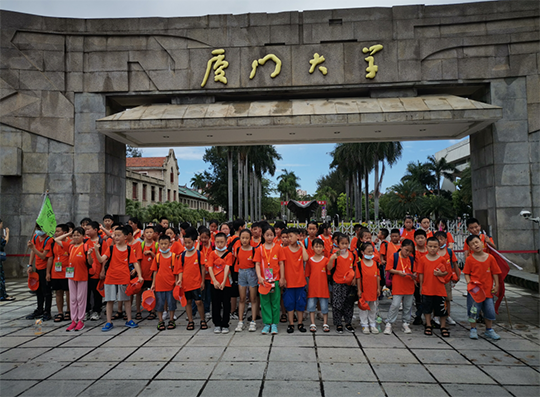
101,288
180,295
476,291
148,300
349,276
362,304
265,288
134,287
33,281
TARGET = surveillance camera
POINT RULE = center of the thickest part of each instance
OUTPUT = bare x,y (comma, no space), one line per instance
525,214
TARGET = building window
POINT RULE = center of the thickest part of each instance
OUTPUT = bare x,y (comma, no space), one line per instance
144,192
174,195
160,195
134,192
153,193
168,194
172,175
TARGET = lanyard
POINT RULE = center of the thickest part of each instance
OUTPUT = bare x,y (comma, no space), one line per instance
401,263
266,255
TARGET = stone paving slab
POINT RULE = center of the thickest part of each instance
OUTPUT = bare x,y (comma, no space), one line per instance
12,388
347,372
117,387
246,354
239,370
231,388
184,388
154,353
417,390
468,390
303,354
412,373
57,388
465,374
131,370
198,354
340,354
292,371
84,370
431,356
297,388
397,356
188,370
347,389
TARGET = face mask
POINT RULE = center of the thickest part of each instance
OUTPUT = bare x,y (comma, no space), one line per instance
369,257
443,246
164,251
221,249
343,251
191,249
40,233
335,245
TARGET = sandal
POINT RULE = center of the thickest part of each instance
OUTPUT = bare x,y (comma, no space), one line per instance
152,316
190,326
204,325
138,316
301,327
117,316
124,315
7,299
326,328
67,316
59,318
313,328
161,326
290,329
283,318
339,329
172,325
445,333
428,330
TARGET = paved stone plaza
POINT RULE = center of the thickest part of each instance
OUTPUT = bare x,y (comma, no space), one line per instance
145,362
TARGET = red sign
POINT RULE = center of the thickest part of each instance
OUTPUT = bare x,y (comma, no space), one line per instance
304,202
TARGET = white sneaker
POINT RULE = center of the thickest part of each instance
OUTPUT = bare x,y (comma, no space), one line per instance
437,320
217,330
224,330
239,327
208,316
95,316
388,329
165,315
87,316
175,317
374,330
252,326
365,329
400,306
406,328
450,321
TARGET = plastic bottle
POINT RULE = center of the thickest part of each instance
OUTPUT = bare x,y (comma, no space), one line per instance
473,312
37,327
379,323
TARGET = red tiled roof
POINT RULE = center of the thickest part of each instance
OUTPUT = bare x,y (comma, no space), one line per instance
145,161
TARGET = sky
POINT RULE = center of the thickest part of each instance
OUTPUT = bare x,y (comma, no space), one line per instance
309,162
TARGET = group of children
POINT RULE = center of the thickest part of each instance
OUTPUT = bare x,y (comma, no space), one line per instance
284,272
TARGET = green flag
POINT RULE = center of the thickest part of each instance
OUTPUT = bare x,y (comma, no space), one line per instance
46,219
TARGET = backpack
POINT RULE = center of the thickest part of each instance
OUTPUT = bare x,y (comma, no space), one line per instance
172,263
44,243
456,271
388,275
142,246
106,267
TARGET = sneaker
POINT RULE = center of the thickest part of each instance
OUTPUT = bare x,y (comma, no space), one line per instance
175,318
80,326
95,316
406,328
274,329
266,329
166,315
87,316
418,321
450,321
107,327
35,315
349,328
225,330
365,329
234,316
473,334
46,316
401,307
239,327
131,324
388,329
491,334
71,327
217,330
437,320
207,316
374,330
252,326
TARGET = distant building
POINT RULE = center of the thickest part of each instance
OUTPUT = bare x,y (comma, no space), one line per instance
301,193
459,155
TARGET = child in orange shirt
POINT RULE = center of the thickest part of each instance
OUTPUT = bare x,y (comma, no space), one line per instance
279,226
256,234
325,234
318,291
408,229
136,225
344,262
482,270
431,268
425,224
451,263
149,249
369,287
312,229
393,245
206,246
56,275
94,239
357,228
420,252
441,224
247,278
383,246
219,264
474,227
295,295
401,266
166,273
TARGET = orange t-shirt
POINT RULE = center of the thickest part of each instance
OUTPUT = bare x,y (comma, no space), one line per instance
165,279
482,272
177,247
317,272
354,243
370,281
147,260
419,254
77,260
391,249
136,250
219,264
96,266
192,278
61,255
269,260
342,266
400,285
245,258
118,271
205,253
483,238
431,285
327,245
446,258
254,243
308,244
294,268
277,240
42,246
137,235
408,234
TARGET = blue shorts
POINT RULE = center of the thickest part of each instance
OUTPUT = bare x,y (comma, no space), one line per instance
312,305
247,278
486,307
295,299
161,298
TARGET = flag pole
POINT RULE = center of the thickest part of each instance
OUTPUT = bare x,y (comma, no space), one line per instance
508,312
35,224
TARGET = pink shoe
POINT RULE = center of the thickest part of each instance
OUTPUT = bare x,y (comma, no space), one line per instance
71,326
80,325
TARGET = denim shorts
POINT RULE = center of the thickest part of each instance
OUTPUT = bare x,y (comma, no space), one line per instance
486,307
162,297
295,299
247,278
312,305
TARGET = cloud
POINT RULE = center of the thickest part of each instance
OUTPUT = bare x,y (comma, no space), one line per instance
182,153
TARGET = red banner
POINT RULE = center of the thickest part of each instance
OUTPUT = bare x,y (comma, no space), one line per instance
304,202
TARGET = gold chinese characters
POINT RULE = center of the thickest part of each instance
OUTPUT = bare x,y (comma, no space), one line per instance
219,65
317,59
372,68
262,61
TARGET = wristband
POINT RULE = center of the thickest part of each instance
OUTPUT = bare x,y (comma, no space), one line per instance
28,266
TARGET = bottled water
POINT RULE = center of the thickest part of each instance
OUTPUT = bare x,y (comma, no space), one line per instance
379,323
473,313
37,327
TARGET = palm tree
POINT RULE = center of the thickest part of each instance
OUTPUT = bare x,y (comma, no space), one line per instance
288,183
198,181
440,168
345,162
405,198
385,153
421,174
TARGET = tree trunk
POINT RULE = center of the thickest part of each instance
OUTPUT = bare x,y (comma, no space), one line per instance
252,195
366,181
246,189
377,187
259,185
359,197
355,195
347,192
230,183
240,182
